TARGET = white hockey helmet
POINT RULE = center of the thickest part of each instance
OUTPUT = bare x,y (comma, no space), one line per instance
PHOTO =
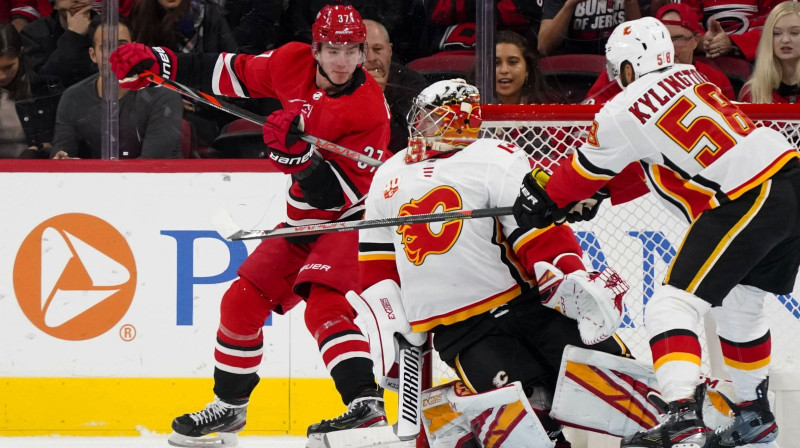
645,43
444,117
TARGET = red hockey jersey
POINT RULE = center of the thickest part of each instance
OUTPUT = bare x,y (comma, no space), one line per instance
357,119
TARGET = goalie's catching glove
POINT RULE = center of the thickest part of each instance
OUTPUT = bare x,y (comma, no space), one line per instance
131,59
593,300
282,133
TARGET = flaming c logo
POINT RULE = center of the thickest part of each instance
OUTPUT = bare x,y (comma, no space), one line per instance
419,240
626,31
74,276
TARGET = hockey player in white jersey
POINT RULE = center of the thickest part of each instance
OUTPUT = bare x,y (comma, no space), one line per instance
736,183
472,283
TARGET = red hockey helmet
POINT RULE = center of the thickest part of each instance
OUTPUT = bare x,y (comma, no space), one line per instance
339,24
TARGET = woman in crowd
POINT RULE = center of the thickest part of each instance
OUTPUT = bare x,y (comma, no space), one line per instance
776,75
18,87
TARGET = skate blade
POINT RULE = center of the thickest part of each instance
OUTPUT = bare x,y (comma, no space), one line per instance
222,439
382,436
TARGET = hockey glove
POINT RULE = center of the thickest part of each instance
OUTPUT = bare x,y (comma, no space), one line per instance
593,300
131,59
533,207
282,133
586,209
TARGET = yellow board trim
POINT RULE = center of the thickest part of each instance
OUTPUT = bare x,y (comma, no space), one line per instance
133,406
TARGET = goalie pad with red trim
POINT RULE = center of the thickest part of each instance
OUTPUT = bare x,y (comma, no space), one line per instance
455,417
593,300
382,318
608,394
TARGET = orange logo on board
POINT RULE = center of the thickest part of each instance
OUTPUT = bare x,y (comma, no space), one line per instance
419,240
74,276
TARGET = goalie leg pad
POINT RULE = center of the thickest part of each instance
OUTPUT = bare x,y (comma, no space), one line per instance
499,417
380,315
594,301
609,394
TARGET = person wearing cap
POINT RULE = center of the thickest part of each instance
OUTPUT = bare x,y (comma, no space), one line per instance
683,24
326,93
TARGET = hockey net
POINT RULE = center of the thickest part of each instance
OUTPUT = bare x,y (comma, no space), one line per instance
637,239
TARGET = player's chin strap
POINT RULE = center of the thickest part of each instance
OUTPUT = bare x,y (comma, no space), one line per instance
343,85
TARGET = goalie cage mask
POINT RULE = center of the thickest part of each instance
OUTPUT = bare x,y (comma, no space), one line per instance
444,117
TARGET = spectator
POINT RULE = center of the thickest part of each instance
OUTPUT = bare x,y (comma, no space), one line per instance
149,119
255,23
581,26
19,86
518,79
57,45
404,86
776,75
683,24
22,12
733,28
187,26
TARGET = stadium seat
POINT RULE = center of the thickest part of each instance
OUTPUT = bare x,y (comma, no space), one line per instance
240,139
572,75
444,65
736,69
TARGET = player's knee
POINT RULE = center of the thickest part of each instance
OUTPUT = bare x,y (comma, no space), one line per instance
244,307
742,316
672,308
325,308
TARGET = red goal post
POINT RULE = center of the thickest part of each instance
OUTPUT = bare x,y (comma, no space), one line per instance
639,238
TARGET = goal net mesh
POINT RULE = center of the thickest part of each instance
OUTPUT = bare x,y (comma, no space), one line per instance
640,238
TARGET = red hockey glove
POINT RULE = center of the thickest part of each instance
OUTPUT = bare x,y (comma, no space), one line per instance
282,133
128,60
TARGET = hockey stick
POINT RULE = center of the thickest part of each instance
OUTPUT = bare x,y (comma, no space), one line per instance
204,98
228,229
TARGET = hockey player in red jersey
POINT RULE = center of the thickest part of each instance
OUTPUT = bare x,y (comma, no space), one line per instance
472,284
737,184
324,92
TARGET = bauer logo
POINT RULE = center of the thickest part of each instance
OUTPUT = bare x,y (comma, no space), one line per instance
74,276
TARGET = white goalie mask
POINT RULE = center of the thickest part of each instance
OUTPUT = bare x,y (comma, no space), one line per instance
444,117
645,43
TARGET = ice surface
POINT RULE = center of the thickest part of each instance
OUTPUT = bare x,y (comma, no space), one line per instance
150,441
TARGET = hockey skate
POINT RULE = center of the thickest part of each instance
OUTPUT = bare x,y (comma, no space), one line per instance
364,411
220,417
752,422
682,428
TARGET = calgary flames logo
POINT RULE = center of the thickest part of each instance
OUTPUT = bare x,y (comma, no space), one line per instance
419,240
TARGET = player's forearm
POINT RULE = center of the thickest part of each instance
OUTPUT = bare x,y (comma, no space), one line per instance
320,186
552,32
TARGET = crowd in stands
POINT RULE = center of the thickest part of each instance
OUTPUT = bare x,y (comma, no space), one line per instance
750,48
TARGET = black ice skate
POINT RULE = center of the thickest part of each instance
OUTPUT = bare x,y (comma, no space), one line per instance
682,428
753,422
364,411
220,417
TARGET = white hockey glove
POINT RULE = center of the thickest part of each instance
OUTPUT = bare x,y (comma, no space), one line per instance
382,319
593,300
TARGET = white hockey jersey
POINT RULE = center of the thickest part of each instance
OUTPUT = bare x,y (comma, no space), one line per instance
450,271
697,148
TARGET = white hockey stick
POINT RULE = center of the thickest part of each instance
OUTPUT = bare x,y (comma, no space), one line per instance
198,96
227,228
